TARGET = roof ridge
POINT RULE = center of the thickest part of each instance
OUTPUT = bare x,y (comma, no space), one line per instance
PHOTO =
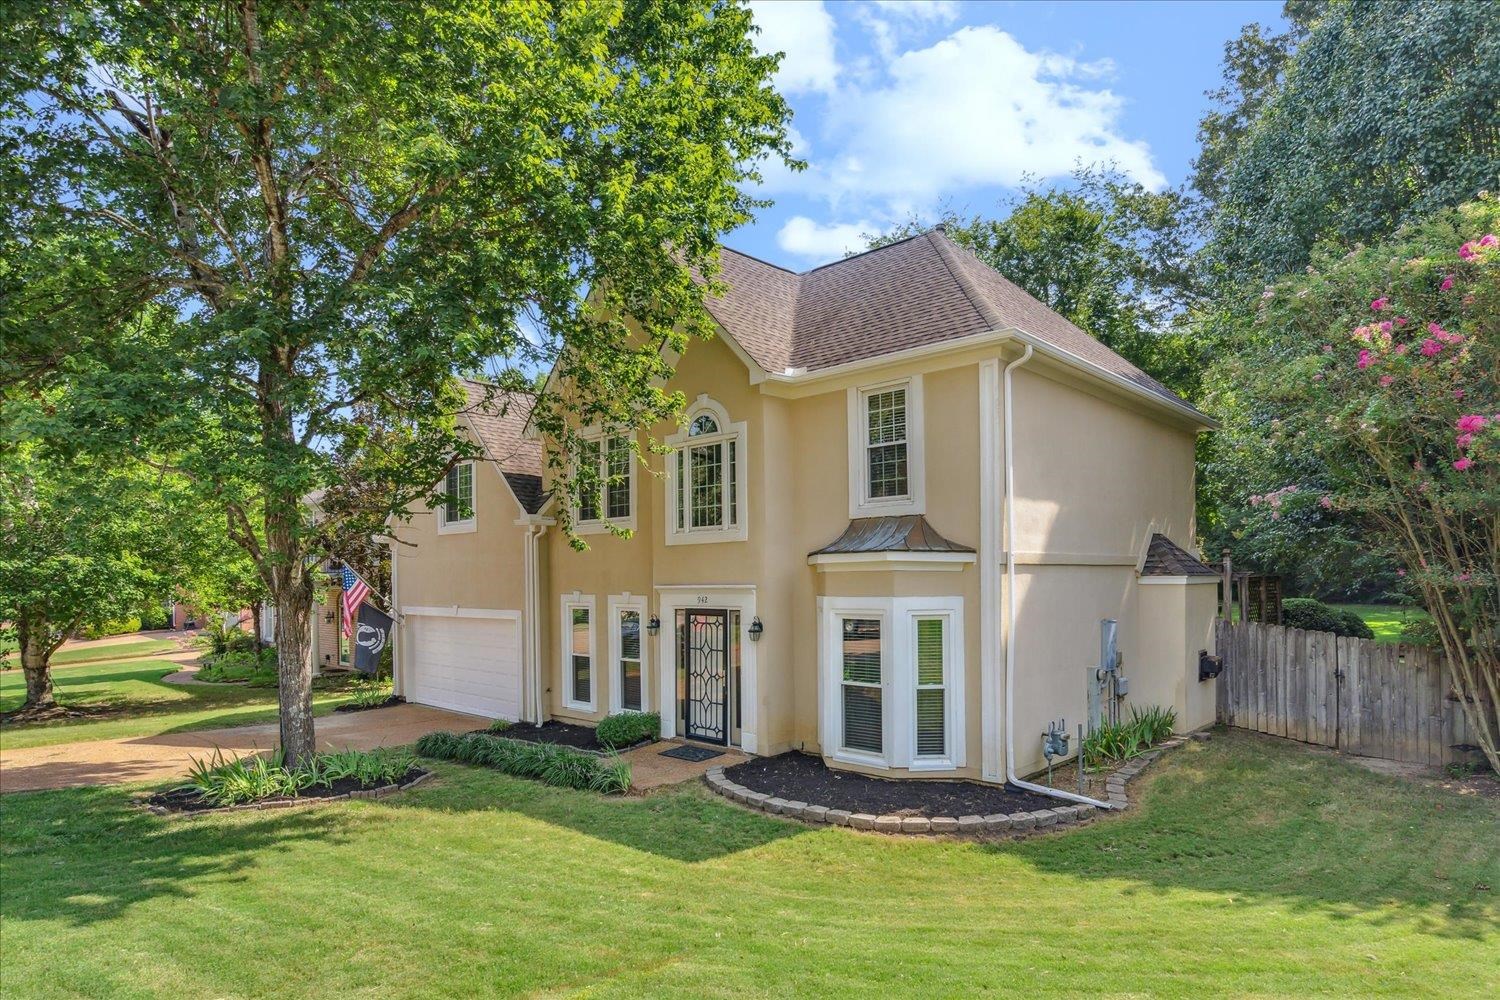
758,260
862,253
945,248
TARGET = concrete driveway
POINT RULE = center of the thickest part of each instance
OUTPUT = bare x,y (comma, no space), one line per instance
160,758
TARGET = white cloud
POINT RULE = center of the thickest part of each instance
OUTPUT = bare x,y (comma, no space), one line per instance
945,11
803,30
818,242
976,109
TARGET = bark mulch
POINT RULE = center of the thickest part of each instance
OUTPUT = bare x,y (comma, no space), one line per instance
394,699
800,777
187,800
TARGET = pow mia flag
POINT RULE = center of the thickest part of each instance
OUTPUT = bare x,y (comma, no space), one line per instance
371,636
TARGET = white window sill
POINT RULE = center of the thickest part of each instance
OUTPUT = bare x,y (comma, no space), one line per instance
738,534
932,764
579,706
603,527
858,757
456,527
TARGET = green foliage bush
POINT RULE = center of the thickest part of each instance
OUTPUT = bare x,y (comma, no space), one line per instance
155,617
241,665
1117,743
547,762
369,694
1421,632
228,782
1315,616
117,626
625,729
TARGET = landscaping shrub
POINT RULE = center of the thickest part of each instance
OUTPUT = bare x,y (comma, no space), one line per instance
1421,632
500,725
1315,616
228,782
117,626
154,618
625,729
547,762
369,694
1117,743
241,665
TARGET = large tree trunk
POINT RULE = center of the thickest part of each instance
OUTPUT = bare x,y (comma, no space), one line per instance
294,672
36,644
255,622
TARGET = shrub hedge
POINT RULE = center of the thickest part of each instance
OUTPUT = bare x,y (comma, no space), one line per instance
117,626
1315,616
547,762
625,729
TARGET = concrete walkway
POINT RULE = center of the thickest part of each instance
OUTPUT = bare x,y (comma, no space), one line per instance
168,755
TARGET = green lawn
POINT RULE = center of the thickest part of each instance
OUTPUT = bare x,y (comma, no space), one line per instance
144,647
1255,868
1385,620
131,700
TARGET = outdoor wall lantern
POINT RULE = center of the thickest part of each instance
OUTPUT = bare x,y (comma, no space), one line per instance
653,625
328,616
756,628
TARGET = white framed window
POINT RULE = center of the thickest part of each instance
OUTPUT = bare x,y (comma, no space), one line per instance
579,682
456,514
627,653
886,462
706,478
892,681
612,502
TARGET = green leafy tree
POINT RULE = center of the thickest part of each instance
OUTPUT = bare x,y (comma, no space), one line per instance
1378,368
315,214
1111,256
1384,112
80,544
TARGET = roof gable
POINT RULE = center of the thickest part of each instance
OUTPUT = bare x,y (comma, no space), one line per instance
499,423
920,291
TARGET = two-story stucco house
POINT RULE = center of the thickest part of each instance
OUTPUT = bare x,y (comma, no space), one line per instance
902,499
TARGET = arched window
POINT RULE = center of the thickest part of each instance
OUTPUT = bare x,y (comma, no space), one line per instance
706,491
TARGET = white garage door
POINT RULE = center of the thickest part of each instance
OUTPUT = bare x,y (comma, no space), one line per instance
466,664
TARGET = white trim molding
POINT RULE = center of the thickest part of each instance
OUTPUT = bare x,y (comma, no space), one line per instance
616,604
897,616
456,611
736,512
1178,580
990,500
854,562
565,648
861,504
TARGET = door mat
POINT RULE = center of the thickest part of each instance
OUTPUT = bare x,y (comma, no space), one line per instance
694,754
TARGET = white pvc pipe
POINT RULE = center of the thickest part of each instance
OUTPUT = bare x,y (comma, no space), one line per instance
1010,611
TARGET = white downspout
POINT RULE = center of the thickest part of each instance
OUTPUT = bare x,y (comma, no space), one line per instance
1010,610
533,707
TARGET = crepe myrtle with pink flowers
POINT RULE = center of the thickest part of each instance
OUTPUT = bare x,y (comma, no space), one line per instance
1384,377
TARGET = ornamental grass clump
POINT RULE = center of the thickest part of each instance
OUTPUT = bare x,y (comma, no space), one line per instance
550,763
222,781
1115,743
1374,373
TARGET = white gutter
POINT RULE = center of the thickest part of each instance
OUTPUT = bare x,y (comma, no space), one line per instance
1010,610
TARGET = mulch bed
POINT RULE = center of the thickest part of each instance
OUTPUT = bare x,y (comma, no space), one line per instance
800,777
394,699
565,734
187,800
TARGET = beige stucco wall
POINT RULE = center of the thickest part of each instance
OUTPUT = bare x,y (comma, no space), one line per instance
1094,479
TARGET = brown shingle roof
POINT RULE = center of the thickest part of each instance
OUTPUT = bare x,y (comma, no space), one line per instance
907,533
499,421
920,291
1165,557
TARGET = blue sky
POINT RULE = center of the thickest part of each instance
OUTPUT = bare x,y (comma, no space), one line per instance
903,107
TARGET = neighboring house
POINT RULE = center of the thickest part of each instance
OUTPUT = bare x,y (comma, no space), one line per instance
821,562
329,648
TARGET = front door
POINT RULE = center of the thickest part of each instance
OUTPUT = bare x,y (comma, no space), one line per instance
705,661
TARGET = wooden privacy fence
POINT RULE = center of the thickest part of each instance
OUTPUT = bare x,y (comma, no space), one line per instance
1357,695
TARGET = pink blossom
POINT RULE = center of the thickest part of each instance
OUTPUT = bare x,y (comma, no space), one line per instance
1385,327
1255,500
1362,333
1400,572
1488,240
1464,577
1386,380
1327,348
1400,348
1269,293
1434,329
1365,359
1380,303
1471,422
1402,321
1431,347
1463,463
1466,251
1463,441
1325,502
1458,394
1318,377
1276,516
1447,284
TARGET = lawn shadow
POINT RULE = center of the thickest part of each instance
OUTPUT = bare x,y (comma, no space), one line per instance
682,822
85,855
1256,819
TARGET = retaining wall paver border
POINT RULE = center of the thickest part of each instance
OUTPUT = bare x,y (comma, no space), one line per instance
1066,813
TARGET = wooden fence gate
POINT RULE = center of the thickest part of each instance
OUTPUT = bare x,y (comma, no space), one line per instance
1390,701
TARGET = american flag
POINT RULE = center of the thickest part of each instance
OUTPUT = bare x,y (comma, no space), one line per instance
355,592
